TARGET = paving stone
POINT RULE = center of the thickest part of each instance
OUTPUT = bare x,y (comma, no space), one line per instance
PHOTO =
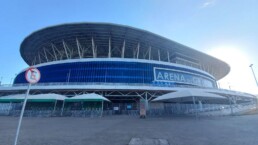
148,141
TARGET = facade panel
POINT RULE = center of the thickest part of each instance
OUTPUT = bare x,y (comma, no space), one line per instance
121,72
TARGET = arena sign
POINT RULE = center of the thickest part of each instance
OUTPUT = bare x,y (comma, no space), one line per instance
177,76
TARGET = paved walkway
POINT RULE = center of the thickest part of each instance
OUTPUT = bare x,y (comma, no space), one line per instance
148,141
119,130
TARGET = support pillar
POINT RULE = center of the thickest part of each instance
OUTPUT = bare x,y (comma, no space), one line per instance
159,54
78,48
149,52
138,50
195,109
102,108
93,48
231,108
123,50
109,47
168,56
62,108
146,102
200,105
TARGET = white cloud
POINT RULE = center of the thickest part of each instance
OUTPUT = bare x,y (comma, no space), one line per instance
208,3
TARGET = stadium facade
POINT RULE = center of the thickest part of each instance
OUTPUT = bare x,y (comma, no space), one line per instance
122,63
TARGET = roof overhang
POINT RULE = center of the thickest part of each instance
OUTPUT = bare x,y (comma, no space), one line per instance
42,42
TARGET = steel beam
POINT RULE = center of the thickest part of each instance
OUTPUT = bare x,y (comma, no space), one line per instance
45,54
138,49
93,47
123,50
78,48
50,54
168,56
65,48
34,61
96,51
53,49
109,48
149,52
159,54
39,58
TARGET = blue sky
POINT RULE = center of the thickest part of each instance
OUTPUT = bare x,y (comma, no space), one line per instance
217,27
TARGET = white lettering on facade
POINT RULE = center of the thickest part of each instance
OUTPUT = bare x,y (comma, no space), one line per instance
166,76
160,77
171,76
176,77
183,78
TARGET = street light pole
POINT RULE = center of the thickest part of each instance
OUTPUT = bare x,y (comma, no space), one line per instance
1,80
251,66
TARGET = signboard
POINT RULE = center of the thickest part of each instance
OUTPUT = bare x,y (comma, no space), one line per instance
171,75
32,75
129,107
116,108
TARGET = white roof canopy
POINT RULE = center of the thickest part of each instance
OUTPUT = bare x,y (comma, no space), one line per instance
87,97
32,98
187,95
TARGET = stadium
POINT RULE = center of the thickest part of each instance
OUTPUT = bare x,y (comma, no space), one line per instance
125,66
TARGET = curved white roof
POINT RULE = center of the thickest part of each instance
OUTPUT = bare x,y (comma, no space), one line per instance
106,40
186,95
85,97
21,97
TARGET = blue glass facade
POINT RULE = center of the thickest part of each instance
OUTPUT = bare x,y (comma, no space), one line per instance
109,72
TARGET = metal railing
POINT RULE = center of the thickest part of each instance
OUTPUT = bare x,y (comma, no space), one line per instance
168,111
117,84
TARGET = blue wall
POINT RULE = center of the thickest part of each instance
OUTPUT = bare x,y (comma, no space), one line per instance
110,72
